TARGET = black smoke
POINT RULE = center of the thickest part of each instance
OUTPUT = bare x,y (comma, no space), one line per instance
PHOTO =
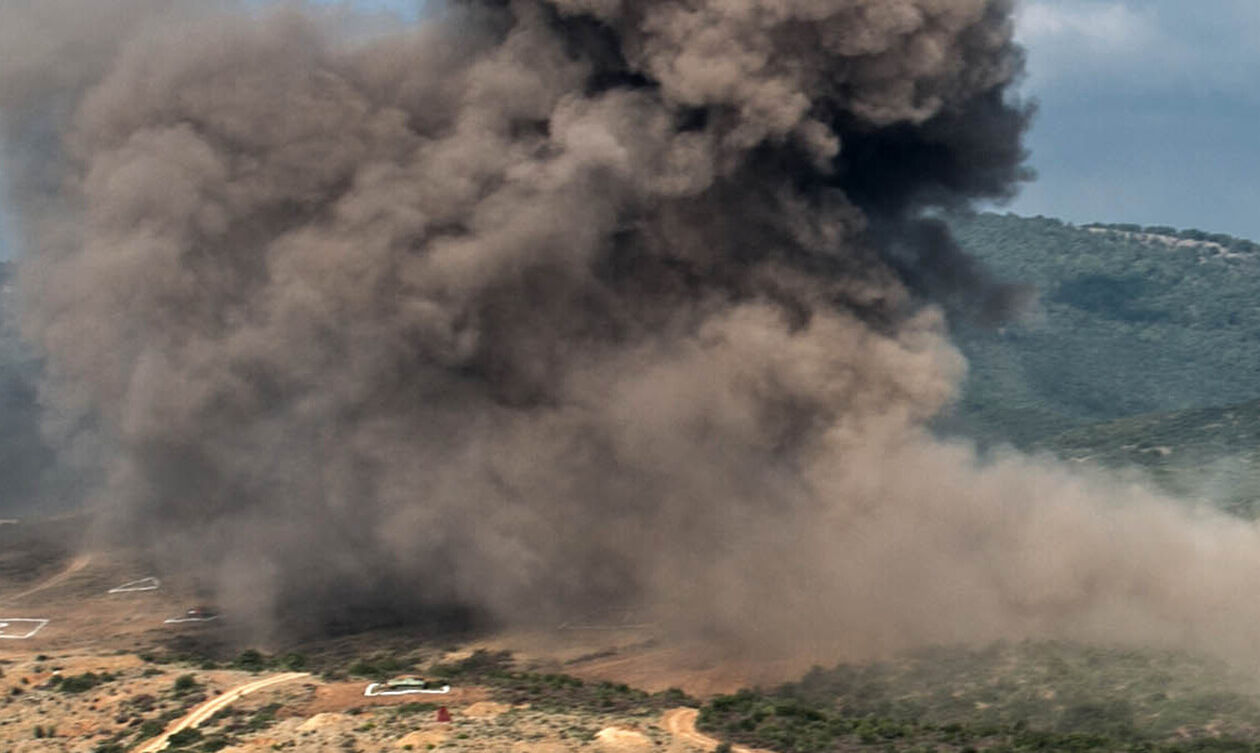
543,307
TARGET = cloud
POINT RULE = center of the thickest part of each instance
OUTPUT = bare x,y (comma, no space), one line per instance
1120,84
1109,25
1068,38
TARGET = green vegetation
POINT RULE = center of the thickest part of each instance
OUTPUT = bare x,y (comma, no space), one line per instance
378,668
185,737
250,660
1128,322
79,683
554,692
292,661
214,743
262,718
1206,453
1025,697
185,684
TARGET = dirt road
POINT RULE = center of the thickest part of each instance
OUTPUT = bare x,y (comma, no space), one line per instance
213,706
75,565
681,723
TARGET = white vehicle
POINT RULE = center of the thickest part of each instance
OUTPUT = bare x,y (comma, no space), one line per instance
407,685
196,614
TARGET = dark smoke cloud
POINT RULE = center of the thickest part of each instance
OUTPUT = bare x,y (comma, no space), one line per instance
545,306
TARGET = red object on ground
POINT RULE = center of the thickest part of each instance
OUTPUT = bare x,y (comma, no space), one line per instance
443,714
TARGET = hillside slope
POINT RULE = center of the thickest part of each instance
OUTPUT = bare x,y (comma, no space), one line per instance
1129,321
1208,453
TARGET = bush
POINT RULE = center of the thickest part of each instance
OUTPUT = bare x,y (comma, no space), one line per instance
378,667
263,717
250,661
480,665
79,683
185,684
142,703
185,737
294,662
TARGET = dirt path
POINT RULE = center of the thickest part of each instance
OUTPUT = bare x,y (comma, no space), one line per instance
681,723
213,706
75,565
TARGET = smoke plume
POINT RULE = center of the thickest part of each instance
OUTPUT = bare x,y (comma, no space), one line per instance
549,305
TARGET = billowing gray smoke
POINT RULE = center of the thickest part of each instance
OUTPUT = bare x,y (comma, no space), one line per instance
548,305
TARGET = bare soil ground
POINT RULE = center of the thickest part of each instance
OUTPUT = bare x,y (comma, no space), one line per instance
98,678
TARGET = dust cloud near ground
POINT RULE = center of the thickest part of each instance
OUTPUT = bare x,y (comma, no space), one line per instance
545,307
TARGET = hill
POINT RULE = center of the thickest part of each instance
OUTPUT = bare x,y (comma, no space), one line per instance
1129,321
1207,453
1023,697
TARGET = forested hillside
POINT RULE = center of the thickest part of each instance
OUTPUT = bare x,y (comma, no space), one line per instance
1202,453
1005,698
1129,321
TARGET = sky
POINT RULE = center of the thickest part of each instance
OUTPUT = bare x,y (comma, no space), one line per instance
1148,112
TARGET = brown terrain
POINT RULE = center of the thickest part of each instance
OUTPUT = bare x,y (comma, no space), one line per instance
105,673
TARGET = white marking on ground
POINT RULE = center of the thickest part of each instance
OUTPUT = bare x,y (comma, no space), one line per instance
178,620
639,626
144,584
371,691
32,626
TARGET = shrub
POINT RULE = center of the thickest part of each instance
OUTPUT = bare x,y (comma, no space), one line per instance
185,737
378,668
81,683
250,660
294,662
143,702
263,717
